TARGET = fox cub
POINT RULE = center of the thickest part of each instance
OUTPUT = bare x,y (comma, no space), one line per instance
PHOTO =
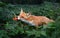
37,20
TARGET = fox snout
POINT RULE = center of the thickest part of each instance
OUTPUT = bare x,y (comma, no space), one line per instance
15,18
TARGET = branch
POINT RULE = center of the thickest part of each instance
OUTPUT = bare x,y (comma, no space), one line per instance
27,22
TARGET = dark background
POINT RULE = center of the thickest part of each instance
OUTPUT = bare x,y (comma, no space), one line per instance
28,1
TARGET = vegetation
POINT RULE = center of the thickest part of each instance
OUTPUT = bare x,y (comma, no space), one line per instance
12,29
28,1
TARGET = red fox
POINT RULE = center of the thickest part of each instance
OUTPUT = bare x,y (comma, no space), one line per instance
37,20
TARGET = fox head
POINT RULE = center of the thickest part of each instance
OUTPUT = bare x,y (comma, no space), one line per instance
22,15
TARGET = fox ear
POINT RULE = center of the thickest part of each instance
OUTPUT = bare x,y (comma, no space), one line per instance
21,11
29,13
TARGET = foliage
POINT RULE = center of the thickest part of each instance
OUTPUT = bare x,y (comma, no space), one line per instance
23,1
28,1
15,29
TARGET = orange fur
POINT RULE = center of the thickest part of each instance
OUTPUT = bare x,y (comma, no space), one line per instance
37,20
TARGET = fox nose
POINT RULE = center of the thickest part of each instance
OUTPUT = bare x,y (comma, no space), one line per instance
15,19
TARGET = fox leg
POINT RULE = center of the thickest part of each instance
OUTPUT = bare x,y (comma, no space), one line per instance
35,24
